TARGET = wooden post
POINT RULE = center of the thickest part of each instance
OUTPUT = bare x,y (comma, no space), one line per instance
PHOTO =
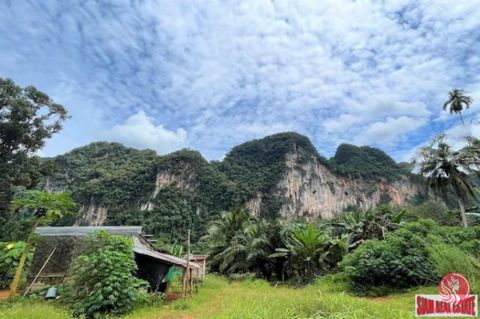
191,281
187,268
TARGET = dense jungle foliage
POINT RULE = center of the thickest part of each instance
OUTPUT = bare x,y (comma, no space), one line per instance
375,252
365,163
124,180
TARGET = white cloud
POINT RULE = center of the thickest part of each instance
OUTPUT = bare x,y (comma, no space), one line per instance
227,72
456,134
140,131
390,130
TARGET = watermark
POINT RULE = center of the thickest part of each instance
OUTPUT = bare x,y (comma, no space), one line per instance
454,299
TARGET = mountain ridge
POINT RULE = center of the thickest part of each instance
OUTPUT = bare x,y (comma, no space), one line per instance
278,176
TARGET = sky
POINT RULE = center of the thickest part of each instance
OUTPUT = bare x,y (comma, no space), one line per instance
209,75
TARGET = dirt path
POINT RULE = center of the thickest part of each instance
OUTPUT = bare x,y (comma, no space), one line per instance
4,294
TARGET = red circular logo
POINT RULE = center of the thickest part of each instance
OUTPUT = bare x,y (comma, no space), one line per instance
454,288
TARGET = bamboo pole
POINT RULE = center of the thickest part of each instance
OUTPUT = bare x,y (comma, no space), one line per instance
39,272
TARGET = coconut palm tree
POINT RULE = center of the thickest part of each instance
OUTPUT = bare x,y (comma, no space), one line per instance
457,102
309,251
220,234
443,168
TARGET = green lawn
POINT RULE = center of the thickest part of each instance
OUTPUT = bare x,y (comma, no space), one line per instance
218,298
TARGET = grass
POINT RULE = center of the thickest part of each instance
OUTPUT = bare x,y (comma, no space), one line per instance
255,299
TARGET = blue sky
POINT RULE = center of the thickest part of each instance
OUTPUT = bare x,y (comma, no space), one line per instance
209,75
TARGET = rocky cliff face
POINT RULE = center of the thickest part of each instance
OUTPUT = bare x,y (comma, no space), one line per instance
309,189
92,215
279,175
183,178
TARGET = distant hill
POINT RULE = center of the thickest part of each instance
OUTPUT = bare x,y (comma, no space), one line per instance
279,176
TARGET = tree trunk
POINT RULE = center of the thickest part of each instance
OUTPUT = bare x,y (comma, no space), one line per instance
21,263
462,212
461,116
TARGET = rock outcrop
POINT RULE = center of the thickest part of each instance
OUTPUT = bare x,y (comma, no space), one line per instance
309,189
92,215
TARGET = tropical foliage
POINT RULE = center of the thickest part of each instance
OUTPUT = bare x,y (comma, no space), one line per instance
359,225
444,167
309,252
27,118
365,163
10,253
399,261
239,243
457,102
45,207
104,280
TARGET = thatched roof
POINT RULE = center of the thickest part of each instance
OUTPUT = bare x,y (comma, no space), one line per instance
85,230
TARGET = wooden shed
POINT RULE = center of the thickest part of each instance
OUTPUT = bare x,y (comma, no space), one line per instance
199,273
61,245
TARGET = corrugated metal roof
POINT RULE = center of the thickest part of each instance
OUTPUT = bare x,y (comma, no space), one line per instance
166,258
84,230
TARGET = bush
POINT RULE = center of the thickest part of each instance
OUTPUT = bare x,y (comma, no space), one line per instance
103,276
10,254
448,259
399,261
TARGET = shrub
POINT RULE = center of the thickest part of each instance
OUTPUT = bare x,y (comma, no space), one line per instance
9,257
448,259
399,261
103,276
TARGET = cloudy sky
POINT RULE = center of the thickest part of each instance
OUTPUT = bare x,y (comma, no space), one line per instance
209,75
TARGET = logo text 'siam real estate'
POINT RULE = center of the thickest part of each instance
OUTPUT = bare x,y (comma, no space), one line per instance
454,299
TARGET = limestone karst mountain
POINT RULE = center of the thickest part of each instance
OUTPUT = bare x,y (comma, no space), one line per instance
279,176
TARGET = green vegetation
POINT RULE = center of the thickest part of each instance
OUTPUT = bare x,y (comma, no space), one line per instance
447,169
457,102
239,243
220,299
399,261
256,166
105,173
10,254
194,191
45,208
104,280
365,163
27,118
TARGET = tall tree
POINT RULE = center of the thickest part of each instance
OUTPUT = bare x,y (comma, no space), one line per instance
27,118
443,167
457,102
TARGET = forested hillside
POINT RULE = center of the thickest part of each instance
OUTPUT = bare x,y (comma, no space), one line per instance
168,194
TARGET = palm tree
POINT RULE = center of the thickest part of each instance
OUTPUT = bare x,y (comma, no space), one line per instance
457,101
249,250
444,168
220,234
307,252
359,226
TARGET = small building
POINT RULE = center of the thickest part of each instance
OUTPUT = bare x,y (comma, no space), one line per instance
201,260
64,244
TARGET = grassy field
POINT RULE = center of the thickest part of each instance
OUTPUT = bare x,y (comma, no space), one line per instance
218,298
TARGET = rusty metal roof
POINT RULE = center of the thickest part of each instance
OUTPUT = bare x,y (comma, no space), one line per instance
170,259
